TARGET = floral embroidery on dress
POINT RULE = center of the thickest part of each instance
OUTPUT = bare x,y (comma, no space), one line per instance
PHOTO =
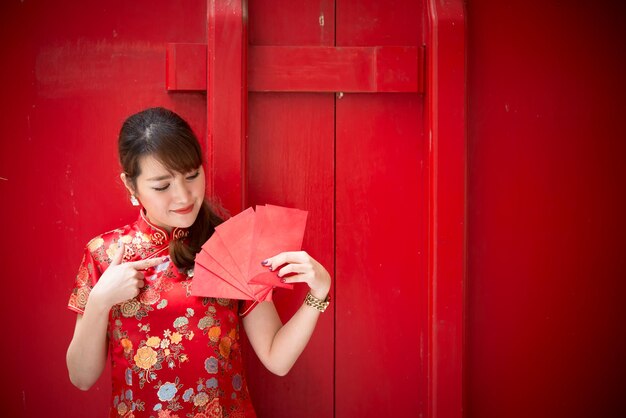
125,405
158,237
180,233
173,355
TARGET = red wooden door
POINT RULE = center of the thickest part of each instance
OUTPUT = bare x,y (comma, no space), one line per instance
335,108
315,104
398,196
335,125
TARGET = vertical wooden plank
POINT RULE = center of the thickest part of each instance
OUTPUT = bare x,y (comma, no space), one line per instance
381,327
380,256
447,205
290,155
292,22
371,22
226,101
290,162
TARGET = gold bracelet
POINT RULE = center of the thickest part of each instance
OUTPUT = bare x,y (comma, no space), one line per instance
316,303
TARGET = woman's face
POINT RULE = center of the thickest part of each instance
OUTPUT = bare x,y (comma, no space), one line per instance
171,199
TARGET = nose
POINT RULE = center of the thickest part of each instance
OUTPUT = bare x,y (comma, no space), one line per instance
182,193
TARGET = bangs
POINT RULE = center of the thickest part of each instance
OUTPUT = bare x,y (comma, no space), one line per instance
162,134
178,154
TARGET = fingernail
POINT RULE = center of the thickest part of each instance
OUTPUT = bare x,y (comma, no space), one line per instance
166,258
282,280
264,262
271,268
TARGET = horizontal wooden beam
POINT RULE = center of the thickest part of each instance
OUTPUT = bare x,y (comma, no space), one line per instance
186,67
376,69
335,69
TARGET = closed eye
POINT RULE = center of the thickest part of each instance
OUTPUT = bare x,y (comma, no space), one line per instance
160,189
188,178
194,175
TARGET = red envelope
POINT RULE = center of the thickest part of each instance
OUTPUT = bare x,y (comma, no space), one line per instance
214,250
217,286
237,239
207,262
229,263
277,229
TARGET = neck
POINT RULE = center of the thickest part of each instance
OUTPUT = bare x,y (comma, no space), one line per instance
164,227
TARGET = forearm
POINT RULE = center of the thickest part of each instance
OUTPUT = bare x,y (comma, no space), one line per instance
87,352
291,339
278,346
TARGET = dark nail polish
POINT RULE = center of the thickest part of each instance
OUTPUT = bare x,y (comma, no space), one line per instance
271,268
264,262
282,280
166,259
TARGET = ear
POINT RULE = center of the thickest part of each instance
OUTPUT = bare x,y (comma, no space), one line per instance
127,183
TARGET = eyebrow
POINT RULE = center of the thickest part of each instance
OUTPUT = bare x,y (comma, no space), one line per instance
159,178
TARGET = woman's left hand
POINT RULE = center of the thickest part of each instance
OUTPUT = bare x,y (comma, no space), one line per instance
303,269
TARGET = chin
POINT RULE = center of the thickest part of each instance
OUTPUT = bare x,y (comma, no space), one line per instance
187,220
184,223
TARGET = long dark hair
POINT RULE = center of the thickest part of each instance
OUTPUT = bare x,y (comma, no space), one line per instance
164,135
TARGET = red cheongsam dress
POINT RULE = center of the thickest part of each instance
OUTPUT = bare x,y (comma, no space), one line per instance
172,354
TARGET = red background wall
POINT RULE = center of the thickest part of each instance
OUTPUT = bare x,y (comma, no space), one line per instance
71,73
546,285
546,182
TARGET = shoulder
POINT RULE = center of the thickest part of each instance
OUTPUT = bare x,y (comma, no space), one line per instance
102,247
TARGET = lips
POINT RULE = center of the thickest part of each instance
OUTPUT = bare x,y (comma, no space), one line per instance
184,211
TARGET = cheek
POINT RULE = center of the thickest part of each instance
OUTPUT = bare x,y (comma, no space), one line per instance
200,186
152,199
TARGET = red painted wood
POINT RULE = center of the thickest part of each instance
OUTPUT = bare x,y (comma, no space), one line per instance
290,155
381,253
329,69
366,23
292,22
382,156
447,205
226,101
290,162
545,324
77,70
186,67
546,173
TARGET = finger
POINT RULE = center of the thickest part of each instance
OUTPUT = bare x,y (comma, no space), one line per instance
140,284
296,278
145,264
294,268
139,275
119,254
286,257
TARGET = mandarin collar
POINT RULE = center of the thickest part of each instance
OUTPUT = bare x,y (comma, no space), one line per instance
159,235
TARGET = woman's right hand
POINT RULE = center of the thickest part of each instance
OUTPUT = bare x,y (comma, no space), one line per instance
122,281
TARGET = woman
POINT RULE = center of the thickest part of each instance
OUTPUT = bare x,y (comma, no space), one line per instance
174,354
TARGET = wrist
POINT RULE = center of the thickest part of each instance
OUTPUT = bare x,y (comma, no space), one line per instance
318,304
320,294
97,303
321,287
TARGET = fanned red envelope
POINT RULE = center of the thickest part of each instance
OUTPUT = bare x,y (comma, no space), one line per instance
229,264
